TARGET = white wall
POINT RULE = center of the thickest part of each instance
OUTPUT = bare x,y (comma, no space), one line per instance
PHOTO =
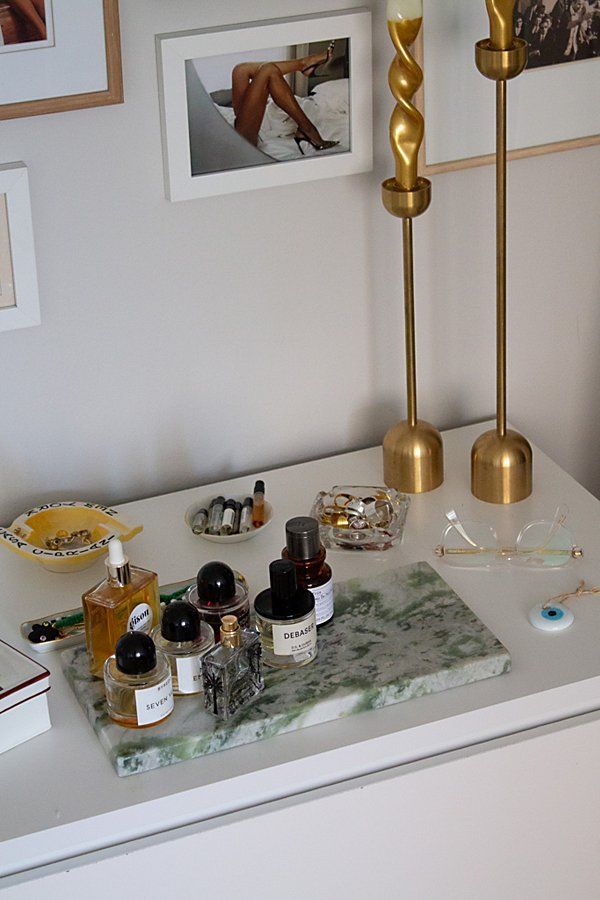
185,342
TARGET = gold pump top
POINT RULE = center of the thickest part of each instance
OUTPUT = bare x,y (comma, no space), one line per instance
500,14
231,636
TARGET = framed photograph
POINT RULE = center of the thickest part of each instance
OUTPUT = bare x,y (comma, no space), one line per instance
553,105
19,300
57,55
265,103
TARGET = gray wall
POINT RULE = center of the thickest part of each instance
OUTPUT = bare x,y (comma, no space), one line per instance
185,342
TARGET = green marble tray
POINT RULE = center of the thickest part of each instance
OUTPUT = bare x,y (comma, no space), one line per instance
397,635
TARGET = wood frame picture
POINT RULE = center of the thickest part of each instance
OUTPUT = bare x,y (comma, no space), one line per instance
458,103
90,68
19,299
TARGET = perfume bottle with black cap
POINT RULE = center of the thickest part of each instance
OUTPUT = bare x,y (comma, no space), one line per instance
218,592
137,680
285,616
184,639
304,548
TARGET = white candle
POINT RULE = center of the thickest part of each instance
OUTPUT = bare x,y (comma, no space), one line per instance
398,10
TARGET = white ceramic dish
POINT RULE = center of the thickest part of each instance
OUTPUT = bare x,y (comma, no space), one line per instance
204,503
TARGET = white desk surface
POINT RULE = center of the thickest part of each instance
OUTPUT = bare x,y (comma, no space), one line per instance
59,793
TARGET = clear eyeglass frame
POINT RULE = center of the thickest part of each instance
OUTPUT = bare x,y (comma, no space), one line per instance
543,544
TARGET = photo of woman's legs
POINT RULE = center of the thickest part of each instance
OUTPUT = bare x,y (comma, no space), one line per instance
34,14
253,84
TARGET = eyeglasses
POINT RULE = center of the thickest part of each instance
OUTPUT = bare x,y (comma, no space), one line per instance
543,545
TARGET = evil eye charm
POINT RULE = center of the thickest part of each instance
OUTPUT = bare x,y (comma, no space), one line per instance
551,618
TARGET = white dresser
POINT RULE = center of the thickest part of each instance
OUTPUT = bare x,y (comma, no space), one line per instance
489,790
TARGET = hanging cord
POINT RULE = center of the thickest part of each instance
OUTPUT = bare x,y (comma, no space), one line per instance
578,592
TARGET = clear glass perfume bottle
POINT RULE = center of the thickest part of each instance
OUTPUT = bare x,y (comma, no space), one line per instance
127,600
184,639
231,671
137,680
285,616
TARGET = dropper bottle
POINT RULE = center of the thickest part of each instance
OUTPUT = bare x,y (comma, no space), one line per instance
126,600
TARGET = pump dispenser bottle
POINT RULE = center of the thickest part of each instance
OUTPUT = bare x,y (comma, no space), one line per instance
285,617
127,600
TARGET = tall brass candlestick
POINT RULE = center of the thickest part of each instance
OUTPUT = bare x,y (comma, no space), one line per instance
501,459
413,458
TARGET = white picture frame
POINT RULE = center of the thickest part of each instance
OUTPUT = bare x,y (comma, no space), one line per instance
458,102
17,252
174,50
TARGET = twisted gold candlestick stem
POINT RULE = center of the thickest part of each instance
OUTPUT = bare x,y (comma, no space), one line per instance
412,449
501,460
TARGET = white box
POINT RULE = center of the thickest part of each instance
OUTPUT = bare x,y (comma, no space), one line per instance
24,686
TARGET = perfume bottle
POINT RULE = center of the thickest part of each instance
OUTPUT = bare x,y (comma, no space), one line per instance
218,592
231,671
184,639
304,548
285,616
137,680
127,600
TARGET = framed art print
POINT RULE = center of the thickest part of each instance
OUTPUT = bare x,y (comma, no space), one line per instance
57,55
553,105
265,103
19,301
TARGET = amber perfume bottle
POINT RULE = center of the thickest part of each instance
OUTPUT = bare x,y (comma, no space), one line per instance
127,600
304,549
231,671
285,616
137,680
184,639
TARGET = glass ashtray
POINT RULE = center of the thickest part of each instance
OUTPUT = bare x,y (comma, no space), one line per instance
360,518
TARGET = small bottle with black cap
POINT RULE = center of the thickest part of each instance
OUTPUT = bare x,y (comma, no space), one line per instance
285,617
184,639
137,680
218,592
304,548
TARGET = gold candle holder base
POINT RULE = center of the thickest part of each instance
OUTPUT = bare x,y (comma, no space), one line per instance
413,457
406,204
501,65
501,467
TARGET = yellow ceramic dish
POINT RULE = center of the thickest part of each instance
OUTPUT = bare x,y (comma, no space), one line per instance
35,531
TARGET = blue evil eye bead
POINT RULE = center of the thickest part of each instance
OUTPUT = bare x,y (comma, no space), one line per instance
551,618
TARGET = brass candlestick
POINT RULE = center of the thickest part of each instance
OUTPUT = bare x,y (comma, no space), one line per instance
501,459
413,458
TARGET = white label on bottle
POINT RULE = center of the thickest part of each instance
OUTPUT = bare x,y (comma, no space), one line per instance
140,618
154,703
189,674
323,601
293,640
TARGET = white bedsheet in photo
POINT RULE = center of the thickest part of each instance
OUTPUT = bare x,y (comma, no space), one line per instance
328,108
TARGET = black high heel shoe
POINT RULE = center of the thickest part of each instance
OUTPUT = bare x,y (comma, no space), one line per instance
323,145
311,70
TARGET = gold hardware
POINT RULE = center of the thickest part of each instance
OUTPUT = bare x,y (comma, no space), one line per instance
413,459
501,460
